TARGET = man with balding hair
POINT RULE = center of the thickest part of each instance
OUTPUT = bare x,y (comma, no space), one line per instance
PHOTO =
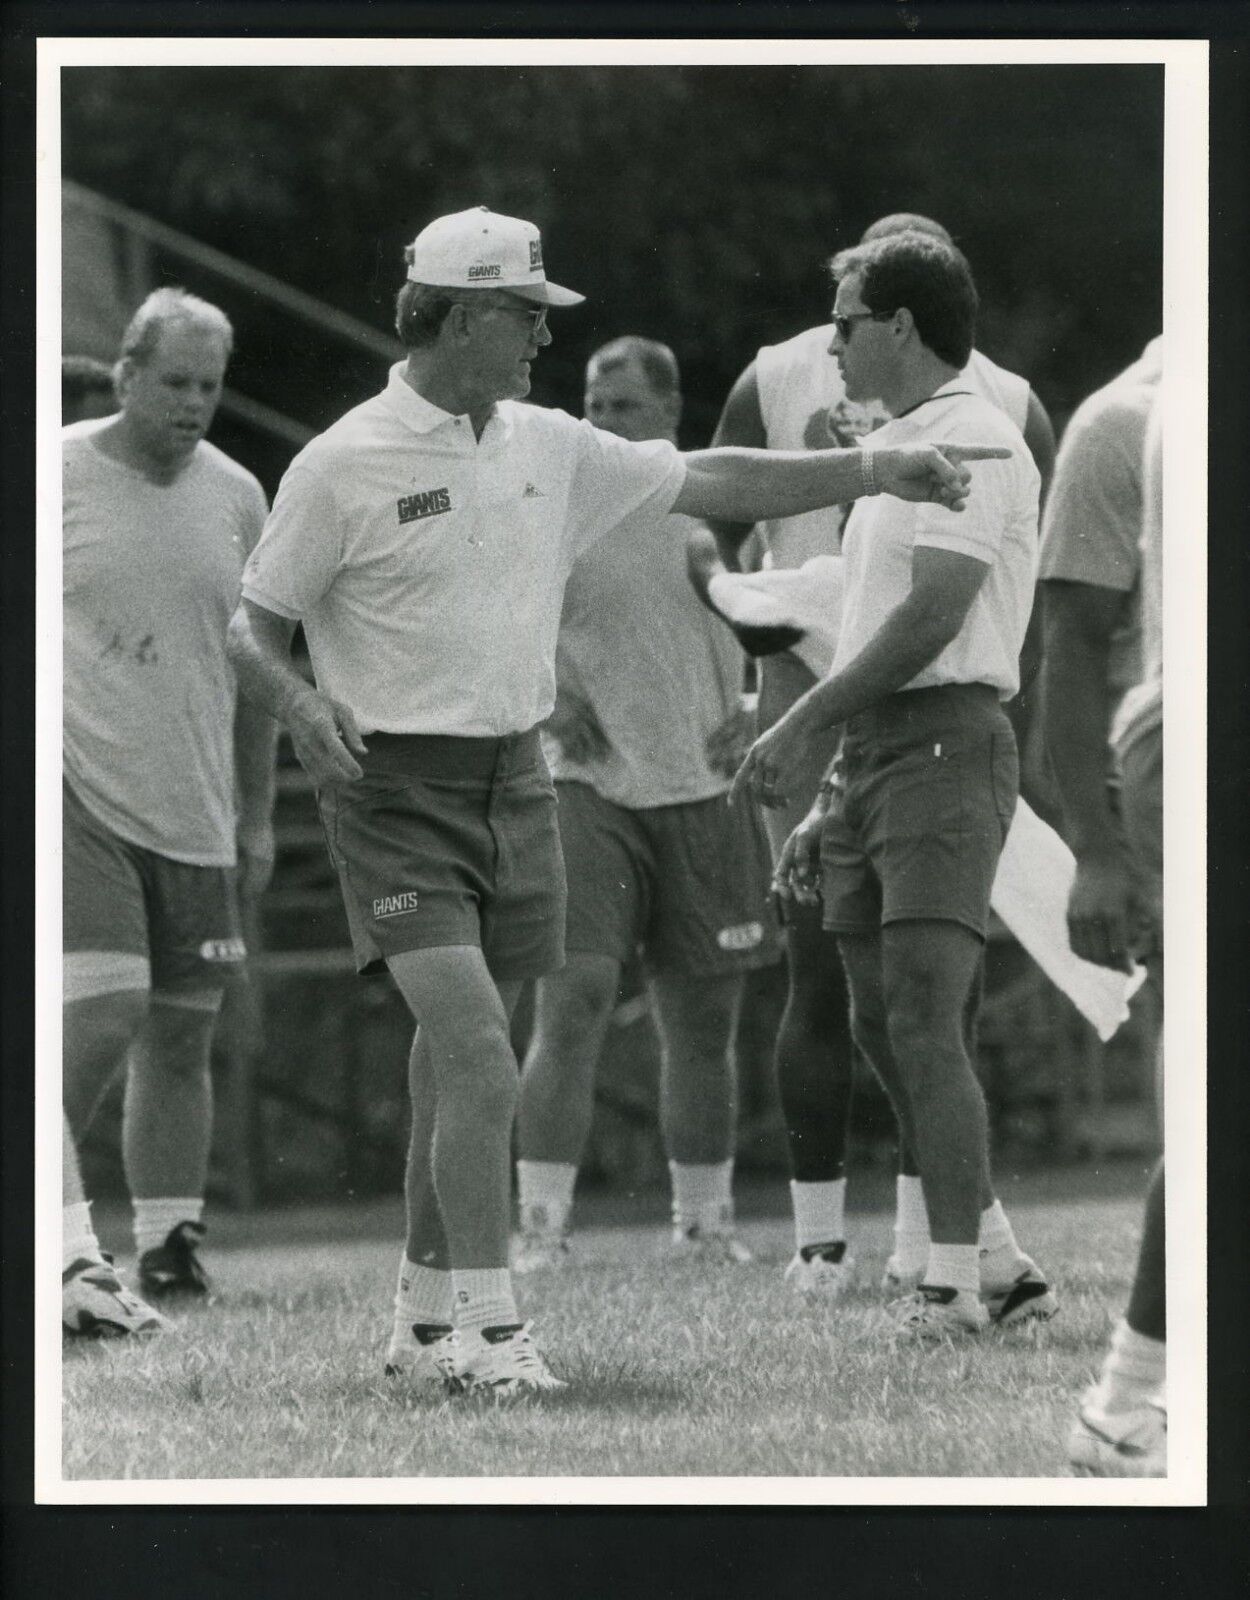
647,731
168,786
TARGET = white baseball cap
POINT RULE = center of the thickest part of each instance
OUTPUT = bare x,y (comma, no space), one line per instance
480,249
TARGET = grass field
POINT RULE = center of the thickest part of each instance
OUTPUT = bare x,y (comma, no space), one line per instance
674,1369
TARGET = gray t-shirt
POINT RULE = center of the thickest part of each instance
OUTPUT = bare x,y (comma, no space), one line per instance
151,578
660,671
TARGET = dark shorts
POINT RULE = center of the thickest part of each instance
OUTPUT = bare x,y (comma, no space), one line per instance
688,884
928,786
120,900
1141,812
450,841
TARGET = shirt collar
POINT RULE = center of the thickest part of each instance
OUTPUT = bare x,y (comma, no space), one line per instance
412,409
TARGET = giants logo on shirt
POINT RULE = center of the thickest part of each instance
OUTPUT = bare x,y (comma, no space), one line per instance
431,503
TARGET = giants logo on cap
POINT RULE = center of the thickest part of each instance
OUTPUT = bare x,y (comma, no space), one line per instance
536,255
484,270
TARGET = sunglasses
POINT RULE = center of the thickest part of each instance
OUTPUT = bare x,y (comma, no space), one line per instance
843,324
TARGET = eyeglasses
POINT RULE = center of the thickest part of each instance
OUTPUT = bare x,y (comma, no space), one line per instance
537,319
843,324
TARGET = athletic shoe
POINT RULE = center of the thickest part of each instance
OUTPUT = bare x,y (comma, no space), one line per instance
420,1352
935,1312
1119,1444
173,1270
500,1361
1027,1298
540,1252
97,1305
894,1280
710,1244
820,1271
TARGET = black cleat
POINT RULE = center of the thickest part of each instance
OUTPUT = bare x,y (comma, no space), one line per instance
173,1270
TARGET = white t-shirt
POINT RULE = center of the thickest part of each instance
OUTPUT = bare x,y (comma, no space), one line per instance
429,568
1142,707
1092,527
997,526
151,579
804,407
660,671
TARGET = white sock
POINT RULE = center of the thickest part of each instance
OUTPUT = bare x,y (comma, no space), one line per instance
423,1294
1002,1259
484,1297
703,1195
78,1240
819,1212
155,1219
911,1225
1135,1370
953,1266
545,1195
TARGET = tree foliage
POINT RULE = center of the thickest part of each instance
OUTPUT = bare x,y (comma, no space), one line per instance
693,204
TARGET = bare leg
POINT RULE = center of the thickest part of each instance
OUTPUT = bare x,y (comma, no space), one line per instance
927,972
572,1010
96,1034
698,1091
814,1058
464,1019
168,1123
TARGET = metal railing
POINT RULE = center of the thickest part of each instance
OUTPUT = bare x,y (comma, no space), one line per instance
139,237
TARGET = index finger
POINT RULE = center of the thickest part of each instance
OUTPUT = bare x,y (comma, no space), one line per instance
958,453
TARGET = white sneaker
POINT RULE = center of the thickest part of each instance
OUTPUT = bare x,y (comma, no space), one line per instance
899,1280
540,1252
821,1271
499,1361
1026,1298
97,1305
717,1245
936,1312
420,1352
1119,1444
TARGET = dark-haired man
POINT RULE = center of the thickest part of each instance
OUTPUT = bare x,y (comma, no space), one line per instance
792,396
425,540
903,842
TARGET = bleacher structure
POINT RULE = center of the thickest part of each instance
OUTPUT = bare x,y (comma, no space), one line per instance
310,1060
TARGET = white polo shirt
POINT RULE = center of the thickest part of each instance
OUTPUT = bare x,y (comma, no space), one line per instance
997,526
429,568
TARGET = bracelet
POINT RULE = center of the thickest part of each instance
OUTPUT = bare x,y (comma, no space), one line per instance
867,468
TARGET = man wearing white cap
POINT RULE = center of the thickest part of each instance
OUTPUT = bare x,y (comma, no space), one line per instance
424,541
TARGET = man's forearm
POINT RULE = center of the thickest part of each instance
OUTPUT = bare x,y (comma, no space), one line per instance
907,641
259,647
255,745
1076,710
1079,622
737,485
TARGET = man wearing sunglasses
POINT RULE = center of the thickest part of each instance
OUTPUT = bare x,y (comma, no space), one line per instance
424,540
792,396
903,841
